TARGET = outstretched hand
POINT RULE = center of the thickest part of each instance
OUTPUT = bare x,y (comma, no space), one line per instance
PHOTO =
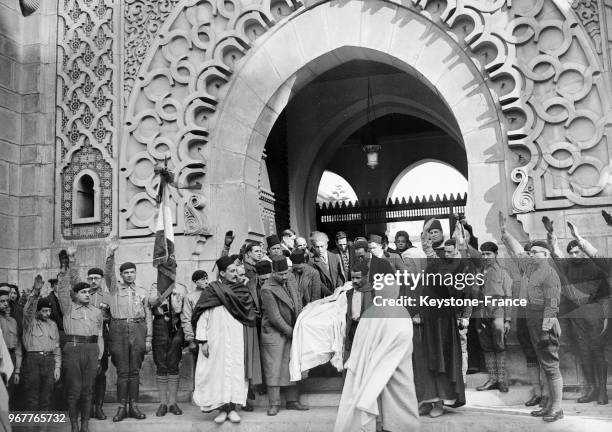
548,224
38,283
573,230
112,247
229,238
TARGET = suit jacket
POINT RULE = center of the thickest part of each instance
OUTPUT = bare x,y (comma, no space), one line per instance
351,257
309,285
379,265
280,311
332,277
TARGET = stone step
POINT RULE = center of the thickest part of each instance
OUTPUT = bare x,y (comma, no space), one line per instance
465,419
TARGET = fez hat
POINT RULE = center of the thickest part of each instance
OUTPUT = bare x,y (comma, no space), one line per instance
279,263
43,303
224,262
361,244
375,238
435,225
298,256
80,286
272,240
127,266
489,247
198,274
96,271
263,267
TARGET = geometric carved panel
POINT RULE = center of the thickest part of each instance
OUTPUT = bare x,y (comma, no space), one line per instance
85,104
542,62
173,102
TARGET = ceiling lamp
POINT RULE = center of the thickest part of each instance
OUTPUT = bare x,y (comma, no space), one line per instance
368,139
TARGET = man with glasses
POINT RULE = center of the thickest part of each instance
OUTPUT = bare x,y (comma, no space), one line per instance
543,289
84,345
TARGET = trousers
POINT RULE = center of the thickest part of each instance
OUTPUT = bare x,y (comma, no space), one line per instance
167,347
38,380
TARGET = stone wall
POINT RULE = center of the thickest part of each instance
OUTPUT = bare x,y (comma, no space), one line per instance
27,139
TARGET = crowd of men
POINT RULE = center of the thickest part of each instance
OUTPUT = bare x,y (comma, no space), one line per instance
239,326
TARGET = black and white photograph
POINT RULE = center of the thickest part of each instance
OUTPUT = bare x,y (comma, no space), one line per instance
305,215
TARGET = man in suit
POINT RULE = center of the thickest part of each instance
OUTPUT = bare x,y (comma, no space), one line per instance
281,306
308,280
375,265
345,252
327,264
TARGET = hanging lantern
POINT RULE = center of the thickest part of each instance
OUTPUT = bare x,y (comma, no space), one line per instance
372,155
369,142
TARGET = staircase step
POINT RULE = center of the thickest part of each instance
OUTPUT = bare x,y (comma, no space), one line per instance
323,419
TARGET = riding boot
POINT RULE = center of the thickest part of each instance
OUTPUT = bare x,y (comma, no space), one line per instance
588,370
73,414
100,393
602,380
85,411
134,412
122,396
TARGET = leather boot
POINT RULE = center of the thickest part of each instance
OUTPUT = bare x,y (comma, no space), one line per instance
73,413
134,412
100,393
122,396
85,411
588,370
602,381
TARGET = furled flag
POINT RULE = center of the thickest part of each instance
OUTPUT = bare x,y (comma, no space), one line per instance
163,250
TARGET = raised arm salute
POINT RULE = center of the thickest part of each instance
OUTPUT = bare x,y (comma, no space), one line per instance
84,344
130,332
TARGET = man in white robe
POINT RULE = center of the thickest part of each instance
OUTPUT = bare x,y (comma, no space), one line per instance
379,391
221,312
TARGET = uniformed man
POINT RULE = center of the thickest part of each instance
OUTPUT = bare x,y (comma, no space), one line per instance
8,324
167,346
543,297
99,298
130,332
84,344
494,320
41,343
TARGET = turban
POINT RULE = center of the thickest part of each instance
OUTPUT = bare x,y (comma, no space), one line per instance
263,267
489,247
435,225
43,303
224,262
298,256
279,263
80,286
96,271
272,240
374,238
127,266
198,274
361,244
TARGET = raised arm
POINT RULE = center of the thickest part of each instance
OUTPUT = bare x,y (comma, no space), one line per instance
551,237
584,244
110,277
67,279
514,247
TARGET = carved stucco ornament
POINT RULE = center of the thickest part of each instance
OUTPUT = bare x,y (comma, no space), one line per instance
28,7
522,198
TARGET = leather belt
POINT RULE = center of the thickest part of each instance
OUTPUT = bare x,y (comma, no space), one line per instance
75,339
130,320
41,353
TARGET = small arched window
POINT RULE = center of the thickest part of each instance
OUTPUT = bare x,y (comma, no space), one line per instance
86,198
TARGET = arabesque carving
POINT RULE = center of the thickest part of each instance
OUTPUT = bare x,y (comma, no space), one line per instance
549,82
85,101
189,63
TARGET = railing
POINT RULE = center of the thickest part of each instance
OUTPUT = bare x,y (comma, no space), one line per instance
372,212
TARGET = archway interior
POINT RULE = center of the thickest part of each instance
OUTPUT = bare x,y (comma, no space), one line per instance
322,128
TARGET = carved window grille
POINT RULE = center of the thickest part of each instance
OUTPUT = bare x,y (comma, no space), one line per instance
86,198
